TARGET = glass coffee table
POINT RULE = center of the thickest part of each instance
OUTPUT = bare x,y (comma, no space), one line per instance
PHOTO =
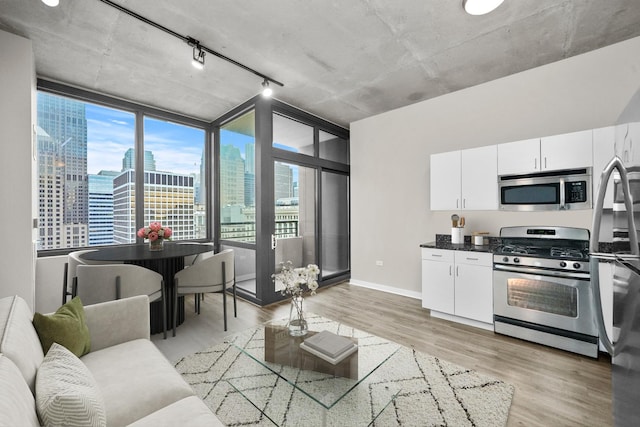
291,386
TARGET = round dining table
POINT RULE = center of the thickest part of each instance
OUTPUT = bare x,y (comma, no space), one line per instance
167,262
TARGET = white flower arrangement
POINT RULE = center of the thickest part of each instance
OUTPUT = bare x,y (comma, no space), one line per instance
297,281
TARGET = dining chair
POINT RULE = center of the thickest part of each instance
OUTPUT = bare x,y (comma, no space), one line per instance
214,273
100,283
192,259
74,259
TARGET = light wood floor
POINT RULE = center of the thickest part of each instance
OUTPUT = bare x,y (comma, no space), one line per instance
552,387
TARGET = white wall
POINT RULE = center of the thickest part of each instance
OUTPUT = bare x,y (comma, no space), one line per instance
390,154
18,166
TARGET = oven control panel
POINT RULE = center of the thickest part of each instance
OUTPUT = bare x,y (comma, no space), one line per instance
546,263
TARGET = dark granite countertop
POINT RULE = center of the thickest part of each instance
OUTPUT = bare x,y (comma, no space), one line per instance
443,241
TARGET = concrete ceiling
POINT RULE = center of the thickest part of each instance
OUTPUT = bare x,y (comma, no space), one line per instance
340,60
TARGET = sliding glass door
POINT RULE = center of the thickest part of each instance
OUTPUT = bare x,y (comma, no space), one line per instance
295,224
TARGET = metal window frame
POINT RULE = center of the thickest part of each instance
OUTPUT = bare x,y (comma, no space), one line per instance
140,112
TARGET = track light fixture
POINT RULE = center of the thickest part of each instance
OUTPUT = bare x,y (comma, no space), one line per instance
51,3
198,57
266,90
198,49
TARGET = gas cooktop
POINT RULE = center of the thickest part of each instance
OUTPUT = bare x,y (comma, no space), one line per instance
558,248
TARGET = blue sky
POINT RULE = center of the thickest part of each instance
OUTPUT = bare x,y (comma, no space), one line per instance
110,133
176,148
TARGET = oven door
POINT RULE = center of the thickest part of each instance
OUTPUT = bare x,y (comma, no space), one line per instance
527,295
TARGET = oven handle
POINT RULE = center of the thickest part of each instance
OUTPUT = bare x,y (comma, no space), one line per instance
538,272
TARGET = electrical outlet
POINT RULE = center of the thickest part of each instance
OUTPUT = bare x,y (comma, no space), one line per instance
379,263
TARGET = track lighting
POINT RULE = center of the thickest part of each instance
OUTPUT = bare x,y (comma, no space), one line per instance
480,7
266,90
198,57
198,49
51,3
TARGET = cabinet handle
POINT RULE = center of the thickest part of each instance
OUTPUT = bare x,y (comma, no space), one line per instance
535,163
457,200
545,162
437,256
457,270
449,270
464,203
472,259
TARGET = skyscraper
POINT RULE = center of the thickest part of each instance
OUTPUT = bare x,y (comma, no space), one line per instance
62,157
232,171
283,181
129,160
168,198
101,208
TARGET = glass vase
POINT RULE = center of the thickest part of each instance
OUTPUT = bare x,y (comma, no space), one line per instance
297,324
156,245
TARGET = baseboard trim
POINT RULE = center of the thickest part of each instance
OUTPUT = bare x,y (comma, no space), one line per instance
388,289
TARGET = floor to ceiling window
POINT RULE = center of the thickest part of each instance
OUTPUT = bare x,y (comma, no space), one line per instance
88,170
175,192
237,183
295,205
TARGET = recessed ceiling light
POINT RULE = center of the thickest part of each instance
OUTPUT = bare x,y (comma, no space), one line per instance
52,3
480,7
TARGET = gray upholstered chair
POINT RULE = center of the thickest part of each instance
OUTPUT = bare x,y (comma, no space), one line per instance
215,273
100,283
189,260
192,259
73,261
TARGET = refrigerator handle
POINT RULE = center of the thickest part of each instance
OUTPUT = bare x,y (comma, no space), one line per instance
594,264
594,241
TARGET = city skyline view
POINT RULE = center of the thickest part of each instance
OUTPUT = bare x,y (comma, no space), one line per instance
87,177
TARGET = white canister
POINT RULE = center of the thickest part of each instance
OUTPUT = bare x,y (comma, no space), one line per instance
478,240
457,235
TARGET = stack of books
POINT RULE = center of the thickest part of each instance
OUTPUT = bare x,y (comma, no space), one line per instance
329,346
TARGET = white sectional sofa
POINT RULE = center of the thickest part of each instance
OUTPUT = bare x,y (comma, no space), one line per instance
136,382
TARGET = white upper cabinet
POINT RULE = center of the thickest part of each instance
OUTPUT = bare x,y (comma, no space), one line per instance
567,151
479,178
445,180
519,157
465,179
603,151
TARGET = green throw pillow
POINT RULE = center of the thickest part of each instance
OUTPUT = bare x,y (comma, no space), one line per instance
67,327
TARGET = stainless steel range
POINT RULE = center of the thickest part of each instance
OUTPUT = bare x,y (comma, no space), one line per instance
542,288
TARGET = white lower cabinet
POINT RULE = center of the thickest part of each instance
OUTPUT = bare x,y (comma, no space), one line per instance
458,286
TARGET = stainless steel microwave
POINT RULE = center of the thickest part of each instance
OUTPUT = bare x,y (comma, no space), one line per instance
546,191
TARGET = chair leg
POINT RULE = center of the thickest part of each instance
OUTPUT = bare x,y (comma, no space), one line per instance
65,290
235,307
175,306
224,307
164,311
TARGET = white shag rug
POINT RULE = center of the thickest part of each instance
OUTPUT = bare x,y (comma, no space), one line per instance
428,391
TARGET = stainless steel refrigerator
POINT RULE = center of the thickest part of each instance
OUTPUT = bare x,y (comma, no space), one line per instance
623,260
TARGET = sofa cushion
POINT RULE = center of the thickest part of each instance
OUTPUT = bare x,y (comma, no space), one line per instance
199,415
135,380
67,327
17,405
66,393
18,339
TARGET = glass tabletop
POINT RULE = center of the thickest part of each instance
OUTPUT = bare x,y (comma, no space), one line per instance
273,348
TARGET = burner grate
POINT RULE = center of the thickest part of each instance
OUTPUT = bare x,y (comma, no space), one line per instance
567,253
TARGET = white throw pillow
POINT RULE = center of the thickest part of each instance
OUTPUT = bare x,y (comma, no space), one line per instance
66,392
